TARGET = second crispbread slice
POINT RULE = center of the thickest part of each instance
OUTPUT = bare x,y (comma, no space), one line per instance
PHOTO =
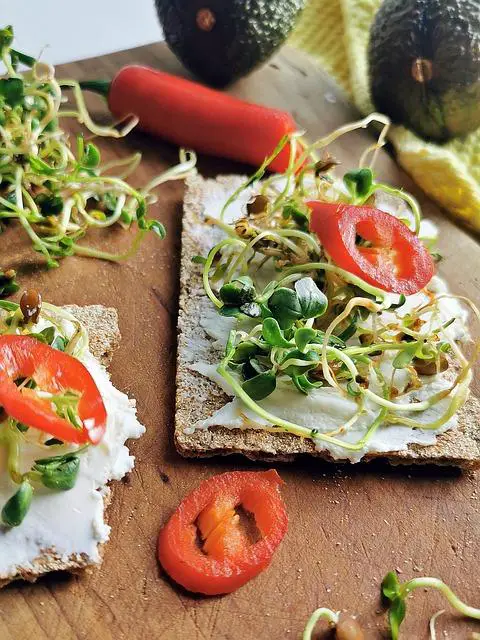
198,397
104,336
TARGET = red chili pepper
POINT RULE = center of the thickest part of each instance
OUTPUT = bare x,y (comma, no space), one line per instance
194,116
395,259
227,558
54,372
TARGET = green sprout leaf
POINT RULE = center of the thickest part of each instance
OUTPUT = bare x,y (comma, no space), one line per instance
46,336
396,616
261,385
49,204
22,58
359,183
285,307
401,301
157,227
404,358
390,586
58,472
199,260
6,37
91,156
244,351
304,336
312,301
305,385
290,211
238,291
311,359
11,90
273,334
16,508
39,166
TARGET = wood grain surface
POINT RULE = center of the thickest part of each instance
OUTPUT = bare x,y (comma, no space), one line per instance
348,525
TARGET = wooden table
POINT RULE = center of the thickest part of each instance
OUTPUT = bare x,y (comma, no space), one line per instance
348,525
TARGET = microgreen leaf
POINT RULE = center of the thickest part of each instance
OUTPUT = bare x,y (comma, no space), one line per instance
390,586
58,472
311,359
396,616
49,204
304,336
261,385
6,37
11,90
353,389
199,260
404,358
312,301
157,227
273,334
359,182
238,291
16,508
39,166
244,351
285,307
22,58
401,301
292,212
91,156
303,384
251,368
46,335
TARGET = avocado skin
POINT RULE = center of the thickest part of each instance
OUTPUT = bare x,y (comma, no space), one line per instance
245,33
446,32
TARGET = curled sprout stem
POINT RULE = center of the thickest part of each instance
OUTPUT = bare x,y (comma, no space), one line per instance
319,614
439,585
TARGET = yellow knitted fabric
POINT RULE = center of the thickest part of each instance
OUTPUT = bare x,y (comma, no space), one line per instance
336,32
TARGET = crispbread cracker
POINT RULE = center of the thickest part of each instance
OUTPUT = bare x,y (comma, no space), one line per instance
104,336
198,398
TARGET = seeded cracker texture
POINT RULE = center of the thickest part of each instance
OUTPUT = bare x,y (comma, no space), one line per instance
198,398
104,336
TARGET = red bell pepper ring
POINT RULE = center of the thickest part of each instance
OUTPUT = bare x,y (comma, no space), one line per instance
227,559
54,372
396,260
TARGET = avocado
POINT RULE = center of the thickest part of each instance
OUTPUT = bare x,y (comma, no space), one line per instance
222,40
424,65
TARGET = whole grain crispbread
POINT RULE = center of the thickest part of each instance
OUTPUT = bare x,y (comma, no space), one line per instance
198,397
104,336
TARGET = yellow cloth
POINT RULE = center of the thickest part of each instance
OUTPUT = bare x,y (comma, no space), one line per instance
336,32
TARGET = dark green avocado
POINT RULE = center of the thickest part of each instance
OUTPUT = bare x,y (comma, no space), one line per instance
222,40
424,65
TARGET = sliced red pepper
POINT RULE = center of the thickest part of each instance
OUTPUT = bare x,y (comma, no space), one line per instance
54,372
396,260
226,558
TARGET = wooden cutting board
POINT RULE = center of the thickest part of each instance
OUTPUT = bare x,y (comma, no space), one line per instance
348,525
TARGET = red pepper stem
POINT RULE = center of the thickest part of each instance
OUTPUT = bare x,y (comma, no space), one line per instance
102,87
